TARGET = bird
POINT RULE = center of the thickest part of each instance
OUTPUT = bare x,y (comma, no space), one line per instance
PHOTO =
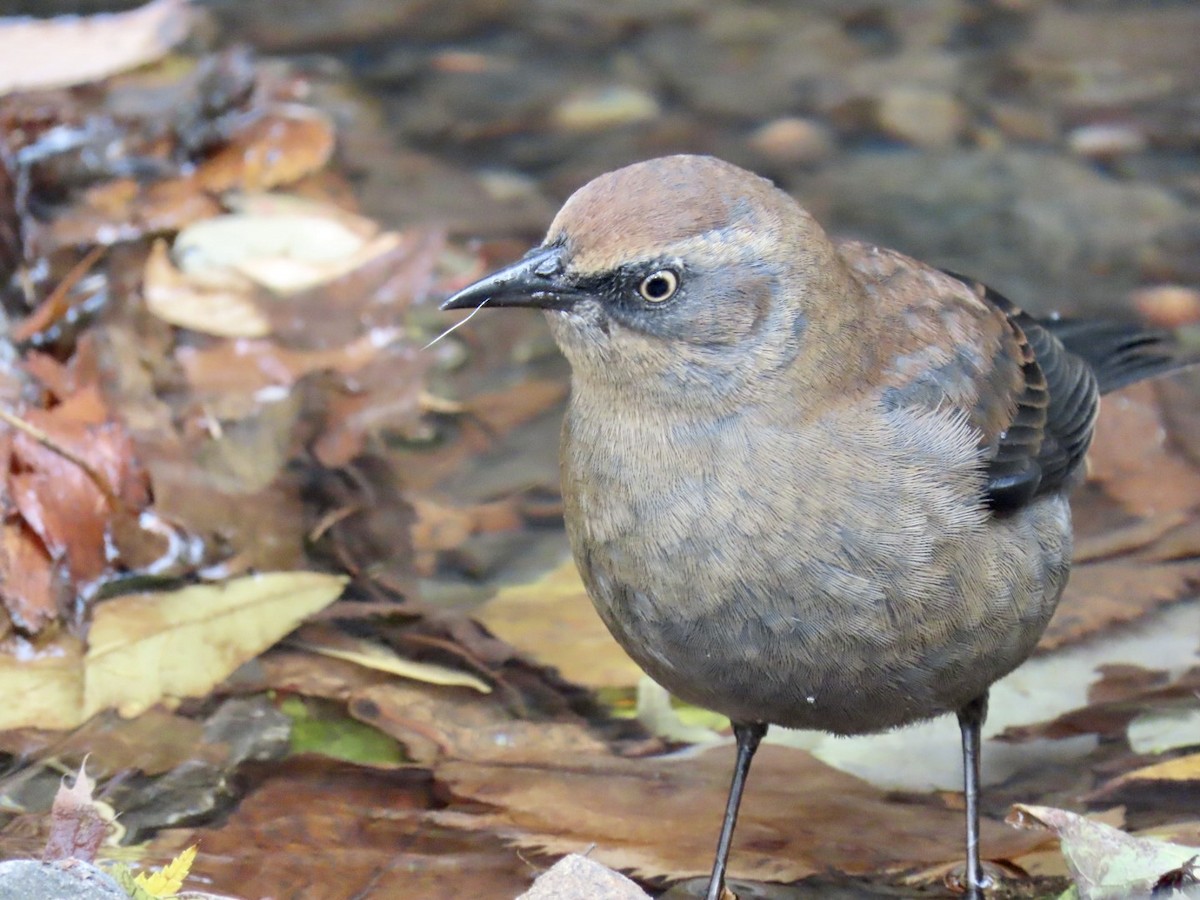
809,482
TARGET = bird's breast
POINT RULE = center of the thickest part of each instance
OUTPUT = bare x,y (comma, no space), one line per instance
841,573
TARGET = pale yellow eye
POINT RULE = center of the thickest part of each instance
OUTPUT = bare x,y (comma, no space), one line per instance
660,286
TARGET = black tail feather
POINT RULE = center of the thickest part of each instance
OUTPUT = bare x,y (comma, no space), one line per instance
1121,353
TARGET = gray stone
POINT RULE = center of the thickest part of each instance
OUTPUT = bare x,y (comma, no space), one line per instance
576,877
68,879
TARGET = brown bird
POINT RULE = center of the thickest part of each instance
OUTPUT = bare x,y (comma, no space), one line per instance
808,483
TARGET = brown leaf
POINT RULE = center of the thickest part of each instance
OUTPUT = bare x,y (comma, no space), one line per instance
282,146
326,830
31,587
77,825
1108,593
799,816
1145,474
456,723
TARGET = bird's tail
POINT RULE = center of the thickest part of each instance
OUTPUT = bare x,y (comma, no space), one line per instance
1121,353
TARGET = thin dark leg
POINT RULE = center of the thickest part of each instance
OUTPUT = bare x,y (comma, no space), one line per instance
748,737
970,723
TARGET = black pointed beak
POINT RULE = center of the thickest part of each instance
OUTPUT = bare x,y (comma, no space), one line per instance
535,280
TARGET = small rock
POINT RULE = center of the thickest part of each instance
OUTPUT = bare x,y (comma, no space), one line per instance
67,879
576,877
921,117
793,141
1105,141
595,109
1167,305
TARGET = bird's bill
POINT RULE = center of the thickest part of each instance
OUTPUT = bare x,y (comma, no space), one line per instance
535,280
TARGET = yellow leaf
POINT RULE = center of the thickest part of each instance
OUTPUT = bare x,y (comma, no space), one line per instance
144,647
553,621
1182,768
149,647
373,656
222,306
167,881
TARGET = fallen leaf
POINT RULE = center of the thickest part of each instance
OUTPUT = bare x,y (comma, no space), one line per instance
69,50
1181,768
553,621
1148,476
799,816
326,830
78,824
284,253
282,146
327,641
224,307
32,589
1105,863
153,647
146,647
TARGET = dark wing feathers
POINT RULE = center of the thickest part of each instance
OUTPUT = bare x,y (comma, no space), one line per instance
1077,360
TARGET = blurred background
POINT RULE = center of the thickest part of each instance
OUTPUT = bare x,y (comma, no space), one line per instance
1048,146
220,264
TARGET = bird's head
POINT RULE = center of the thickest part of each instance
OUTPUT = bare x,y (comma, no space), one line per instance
680,272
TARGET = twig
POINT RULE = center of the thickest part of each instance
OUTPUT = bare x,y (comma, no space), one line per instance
49,443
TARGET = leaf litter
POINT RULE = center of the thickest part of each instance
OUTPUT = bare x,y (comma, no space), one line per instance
221,425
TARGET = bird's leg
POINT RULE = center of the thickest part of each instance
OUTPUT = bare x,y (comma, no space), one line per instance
748,736
970,723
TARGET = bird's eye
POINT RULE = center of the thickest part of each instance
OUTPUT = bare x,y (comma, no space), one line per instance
660,286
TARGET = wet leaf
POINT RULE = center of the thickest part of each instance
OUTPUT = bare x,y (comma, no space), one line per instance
318,828
338,736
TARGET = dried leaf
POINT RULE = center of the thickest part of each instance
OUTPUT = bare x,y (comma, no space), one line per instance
328,642
279,148
799,816
284,253
554,622
1182,768
1105,863
78,824
225,308
146,648
73,50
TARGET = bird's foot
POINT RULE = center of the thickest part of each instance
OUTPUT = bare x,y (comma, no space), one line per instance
956,880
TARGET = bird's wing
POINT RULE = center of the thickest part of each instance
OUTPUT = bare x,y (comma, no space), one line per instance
1055,411
956,343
